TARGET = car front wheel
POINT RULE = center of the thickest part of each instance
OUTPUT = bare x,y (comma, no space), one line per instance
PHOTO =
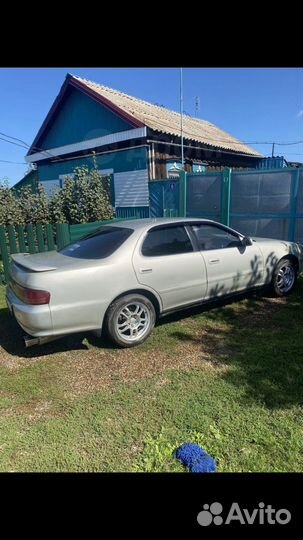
130,320
284,278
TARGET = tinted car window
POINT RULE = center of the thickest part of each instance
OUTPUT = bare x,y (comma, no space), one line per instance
166,241
99,244
211,237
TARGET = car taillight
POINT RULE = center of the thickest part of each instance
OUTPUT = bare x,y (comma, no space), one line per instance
31,296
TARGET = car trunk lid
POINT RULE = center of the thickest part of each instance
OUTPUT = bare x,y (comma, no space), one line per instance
34,263
44,262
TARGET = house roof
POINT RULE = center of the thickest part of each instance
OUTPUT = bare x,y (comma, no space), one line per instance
166,121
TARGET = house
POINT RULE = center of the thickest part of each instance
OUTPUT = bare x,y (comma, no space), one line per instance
30,179
132,140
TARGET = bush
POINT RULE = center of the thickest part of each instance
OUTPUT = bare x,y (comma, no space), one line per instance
10,207
84,198
34,205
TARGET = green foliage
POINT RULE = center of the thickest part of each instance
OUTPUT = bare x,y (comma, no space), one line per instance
34,206
23,207
158,454
159,451
10,208
84,198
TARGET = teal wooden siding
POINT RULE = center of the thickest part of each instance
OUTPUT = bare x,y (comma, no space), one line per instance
130,212
127,160
29,180
81,118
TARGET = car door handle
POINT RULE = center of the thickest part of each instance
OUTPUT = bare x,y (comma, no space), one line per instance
145,270
213,261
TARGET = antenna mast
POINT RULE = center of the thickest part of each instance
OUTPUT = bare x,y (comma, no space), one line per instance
197,106
181,115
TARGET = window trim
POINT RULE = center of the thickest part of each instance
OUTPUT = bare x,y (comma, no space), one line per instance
220,227
167,226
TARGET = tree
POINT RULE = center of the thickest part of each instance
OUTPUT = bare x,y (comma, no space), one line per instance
84,198
10,208
34,205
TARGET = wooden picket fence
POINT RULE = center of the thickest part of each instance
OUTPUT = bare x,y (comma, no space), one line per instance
38,238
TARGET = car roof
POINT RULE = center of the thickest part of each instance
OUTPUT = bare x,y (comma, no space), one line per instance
141,224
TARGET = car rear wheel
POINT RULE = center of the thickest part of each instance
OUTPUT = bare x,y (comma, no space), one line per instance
130,320
284,278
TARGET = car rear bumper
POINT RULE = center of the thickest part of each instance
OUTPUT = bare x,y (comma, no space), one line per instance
35,320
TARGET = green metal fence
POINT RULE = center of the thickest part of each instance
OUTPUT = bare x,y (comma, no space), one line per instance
266,203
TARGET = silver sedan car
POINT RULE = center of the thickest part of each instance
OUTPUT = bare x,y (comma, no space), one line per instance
125,275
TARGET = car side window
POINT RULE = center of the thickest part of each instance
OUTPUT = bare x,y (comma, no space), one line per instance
212,237
166,241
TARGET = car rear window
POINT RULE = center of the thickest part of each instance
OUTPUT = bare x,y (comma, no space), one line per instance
99,244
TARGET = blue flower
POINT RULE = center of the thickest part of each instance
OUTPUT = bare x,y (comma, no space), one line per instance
195,458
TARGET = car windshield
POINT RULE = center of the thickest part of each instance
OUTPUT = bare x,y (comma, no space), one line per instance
99,244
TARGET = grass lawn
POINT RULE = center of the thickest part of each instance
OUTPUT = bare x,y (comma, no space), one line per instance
229,378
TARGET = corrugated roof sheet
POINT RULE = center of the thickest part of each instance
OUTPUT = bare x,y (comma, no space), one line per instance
166,121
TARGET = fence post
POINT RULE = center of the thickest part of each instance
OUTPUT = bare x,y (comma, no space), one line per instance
293,209
225,196
20,231
182,194
30,238
12,239
4,251
40,237
50,237
62,235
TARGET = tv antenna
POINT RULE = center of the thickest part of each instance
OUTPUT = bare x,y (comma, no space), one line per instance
197,106
181,116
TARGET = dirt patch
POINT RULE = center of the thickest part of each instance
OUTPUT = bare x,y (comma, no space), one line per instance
32,410
95,371
194,344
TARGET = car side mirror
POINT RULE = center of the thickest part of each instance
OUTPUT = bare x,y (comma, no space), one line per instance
246,241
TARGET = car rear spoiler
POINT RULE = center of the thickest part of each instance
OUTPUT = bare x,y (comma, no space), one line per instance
21,260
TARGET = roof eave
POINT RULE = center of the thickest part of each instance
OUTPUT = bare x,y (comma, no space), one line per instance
204,145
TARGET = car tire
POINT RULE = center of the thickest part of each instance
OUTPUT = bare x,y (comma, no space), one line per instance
130,320
284,278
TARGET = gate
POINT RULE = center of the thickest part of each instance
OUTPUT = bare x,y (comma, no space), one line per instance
207,195
164,198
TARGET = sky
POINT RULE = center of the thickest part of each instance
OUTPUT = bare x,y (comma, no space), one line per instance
256,105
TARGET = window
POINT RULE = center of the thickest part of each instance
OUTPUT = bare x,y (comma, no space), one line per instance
173,169
166,241
199,167
212,237
98,245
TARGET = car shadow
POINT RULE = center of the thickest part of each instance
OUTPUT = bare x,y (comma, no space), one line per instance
12,340
187,312
261,347
12,336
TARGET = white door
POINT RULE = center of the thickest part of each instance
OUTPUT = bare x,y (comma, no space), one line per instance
165,261
230,265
